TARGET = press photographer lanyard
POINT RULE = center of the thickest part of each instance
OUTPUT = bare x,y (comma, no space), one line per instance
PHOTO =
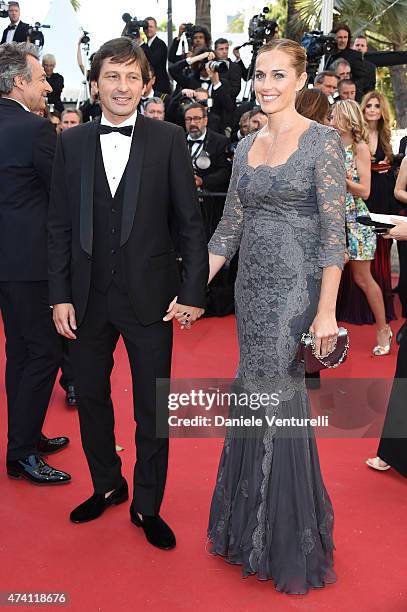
198,150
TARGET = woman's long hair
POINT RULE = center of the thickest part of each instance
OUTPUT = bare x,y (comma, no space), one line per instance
383,126
313,104
348,117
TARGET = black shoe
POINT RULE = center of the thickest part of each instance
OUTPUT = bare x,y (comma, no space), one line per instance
48,446
70,397
34,469
401,332
94,507
157,532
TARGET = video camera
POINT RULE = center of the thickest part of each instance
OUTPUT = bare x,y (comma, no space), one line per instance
3,9
317,44
261,28
35,36
133,25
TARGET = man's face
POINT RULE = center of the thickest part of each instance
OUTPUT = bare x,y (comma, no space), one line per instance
119,87
328,86
256,122
69,121
195,122
347,92
222,51
198,40
48,67
155,111
14,14
360,44
151,30
149,87
342,38
343,72
56,122
34,93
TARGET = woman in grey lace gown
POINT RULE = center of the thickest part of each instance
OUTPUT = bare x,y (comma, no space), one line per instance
285,210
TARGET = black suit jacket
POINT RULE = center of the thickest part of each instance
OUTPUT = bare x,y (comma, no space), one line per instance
157,56
217,176
234,76
27,147
54,97
159,188
20,35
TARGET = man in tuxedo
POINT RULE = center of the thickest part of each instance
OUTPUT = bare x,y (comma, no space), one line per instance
117,184
17,31
234,73
33,348
156,52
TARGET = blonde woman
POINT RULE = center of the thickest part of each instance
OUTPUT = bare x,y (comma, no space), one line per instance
376,112
347,118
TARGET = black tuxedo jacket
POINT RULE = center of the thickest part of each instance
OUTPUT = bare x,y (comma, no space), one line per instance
217,176
159,190
157,56
27,147
20,35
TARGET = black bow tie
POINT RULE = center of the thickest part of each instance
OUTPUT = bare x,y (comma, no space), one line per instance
126,130
191,141
12,27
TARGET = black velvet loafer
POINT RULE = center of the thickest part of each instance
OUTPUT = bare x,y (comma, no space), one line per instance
94,507
157,532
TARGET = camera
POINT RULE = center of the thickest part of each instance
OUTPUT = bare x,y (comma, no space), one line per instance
189,32
3,9
133,25
219,66
85,40
35,36
317,44
261,28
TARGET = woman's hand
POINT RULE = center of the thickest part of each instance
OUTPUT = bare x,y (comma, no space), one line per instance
325,330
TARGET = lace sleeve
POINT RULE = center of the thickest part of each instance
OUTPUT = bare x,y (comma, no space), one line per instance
226,239
330,181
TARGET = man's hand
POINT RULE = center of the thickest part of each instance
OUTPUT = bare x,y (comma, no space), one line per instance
236,53
185,315
64,319
190,93
213,75
198,180
398,232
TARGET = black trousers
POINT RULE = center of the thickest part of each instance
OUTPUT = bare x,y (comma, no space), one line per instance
33,357
149,351
393,443
66,378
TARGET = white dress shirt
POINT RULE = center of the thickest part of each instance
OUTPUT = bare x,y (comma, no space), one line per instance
10,33
151,40
196,146
116,151
18,102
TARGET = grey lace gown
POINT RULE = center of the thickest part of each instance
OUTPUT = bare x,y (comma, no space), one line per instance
270,510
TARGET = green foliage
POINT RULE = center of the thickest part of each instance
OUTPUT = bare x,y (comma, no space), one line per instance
278,11
76,4
236,25
162,27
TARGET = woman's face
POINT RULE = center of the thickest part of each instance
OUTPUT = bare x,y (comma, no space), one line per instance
276,82
373,111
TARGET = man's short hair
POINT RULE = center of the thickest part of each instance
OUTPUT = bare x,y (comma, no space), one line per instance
255,111
319,79
338,62
13,63
121,50
13,3
221,41
360,36
198,106
151,19
345,82
202,90
154,100
75,111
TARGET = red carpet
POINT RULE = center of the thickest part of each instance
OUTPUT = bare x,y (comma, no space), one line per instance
108,566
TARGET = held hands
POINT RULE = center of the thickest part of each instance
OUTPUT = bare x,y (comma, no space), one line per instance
399,232
185,315
325,330
64,320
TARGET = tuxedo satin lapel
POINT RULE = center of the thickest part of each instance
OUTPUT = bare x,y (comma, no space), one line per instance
133,177
87,187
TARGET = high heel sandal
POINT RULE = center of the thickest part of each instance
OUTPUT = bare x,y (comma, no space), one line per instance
380,350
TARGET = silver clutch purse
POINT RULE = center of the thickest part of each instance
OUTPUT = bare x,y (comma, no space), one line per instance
313,362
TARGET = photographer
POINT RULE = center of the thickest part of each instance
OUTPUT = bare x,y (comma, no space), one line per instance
55,80
17,31
361,69
150,91
175,111
233,73
198,71
156,52
195,37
